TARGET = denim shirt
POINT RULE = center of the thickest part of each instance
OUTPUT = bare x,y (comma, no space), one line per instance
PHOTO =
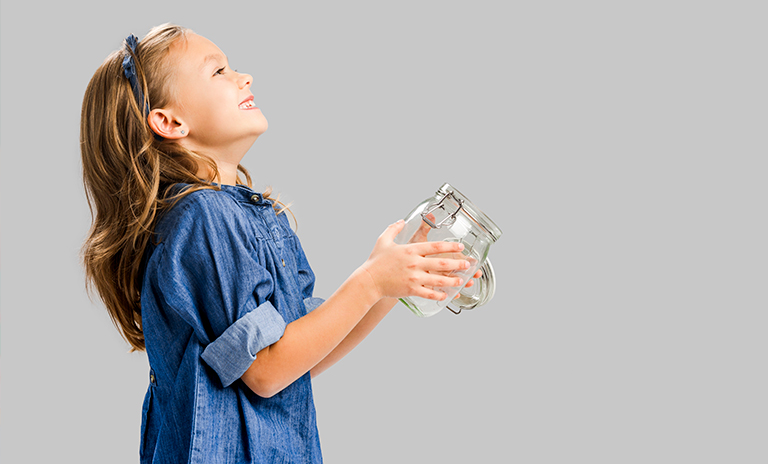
225,277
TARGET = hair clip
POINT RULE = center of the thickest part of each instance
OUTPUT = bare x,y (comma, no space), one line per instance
129,69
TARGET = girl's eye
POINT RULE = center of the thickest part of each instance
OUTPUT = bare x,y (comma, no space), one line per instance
219,71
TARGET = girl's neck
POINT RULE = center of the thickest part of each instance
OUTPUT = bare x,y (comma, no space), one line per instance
227,159
227,173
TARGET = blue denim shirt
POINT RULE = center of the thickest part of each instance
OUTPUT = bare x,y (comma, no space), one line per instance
224,279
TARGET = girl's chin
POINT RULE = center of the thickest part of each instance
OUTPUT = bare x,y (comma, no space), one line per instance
263,126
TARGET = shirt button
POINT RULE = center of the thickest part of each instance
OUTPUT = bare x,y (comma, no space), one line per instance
255,198
283,263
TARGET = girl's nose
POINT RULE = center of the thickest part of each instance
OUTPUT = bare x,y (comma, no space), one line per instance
244,80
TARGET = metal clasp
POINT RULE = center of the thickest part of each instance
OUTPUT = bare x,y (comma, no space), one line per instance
450,219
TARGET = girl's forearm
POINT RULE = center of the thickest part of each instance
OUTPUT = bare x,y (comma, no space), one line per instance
357,335
310,339
391,271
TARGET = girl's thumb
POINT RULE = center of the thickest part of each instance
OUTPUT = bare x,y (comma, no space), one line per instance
393,230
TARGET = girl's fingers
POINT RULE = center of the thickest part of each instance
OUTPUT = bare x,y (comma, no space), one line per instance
429,293
433,248
444,281
446,264
421,269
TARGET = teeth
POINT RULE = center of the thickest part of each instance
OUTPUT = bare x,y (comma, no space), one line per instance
248,104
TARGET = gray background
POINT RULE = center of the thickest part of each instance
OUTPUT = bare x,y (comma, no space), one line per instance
619,145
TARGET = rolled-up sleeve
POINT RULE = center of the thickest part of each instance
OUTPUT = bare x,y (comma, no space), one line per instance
234,351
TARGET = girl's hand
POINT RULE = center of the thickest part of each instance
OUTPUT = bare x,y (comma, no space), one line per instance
421,236
407,270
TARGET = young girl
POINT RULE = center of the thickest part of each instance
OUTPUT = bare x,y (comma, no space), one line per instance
205,274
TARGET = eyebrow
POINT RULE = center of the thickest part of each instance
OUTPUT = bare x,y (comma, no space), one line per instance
213,57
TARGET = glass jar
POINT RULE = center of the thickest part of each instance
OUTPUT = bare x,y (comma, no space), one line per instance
450,216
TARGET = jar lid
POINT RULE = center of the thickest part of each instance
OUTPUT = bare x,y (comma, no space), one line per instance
472,211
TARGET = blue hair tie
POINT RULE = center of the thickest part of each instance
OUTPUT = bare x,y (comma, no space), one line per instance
129,69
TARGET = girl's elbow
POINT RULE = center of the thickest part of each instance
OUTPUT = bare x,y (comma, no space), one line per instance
258,378
262,387
266,392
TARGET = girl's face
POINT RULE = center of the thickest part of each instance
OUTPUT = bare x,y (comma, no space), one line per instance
213,102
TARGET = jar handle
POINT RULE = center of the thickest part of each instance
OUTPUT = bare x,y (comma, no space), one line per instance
449,220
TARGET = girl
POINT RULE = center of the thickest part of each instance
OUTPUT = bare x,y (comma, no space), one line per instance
205,274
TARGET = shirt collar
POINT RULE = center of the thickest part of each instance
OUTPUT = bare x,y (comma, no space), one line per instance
244,194
240,193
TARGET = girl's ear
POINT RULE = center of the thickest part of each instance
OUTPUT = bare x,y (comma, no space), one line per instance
163,123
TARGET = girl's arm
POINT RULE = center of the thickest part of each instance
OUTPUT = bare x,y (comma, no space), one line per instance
361,330
374,316
357,335
392,271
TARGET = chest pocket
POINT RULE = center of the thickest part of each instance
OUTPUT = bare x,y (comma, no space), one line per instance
275,232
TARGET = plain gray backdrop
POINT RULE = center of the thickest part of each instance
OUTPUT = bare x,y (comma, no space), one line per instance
620,146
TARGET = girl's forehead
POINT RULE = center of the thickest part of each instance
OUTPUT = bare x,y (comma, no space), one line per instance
195,48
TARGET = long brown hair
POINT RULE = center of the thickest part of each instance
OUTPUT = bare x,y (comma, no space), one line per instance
128,173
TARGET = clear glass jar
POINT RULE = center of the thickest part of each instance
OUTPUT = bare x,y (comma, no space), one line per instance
450,216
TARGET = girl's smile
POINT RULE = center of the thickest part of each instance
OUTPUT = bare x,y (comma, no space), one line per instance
248,104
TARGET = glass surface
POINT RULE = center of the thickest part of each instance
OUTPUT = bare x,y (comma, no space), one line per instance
478,294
